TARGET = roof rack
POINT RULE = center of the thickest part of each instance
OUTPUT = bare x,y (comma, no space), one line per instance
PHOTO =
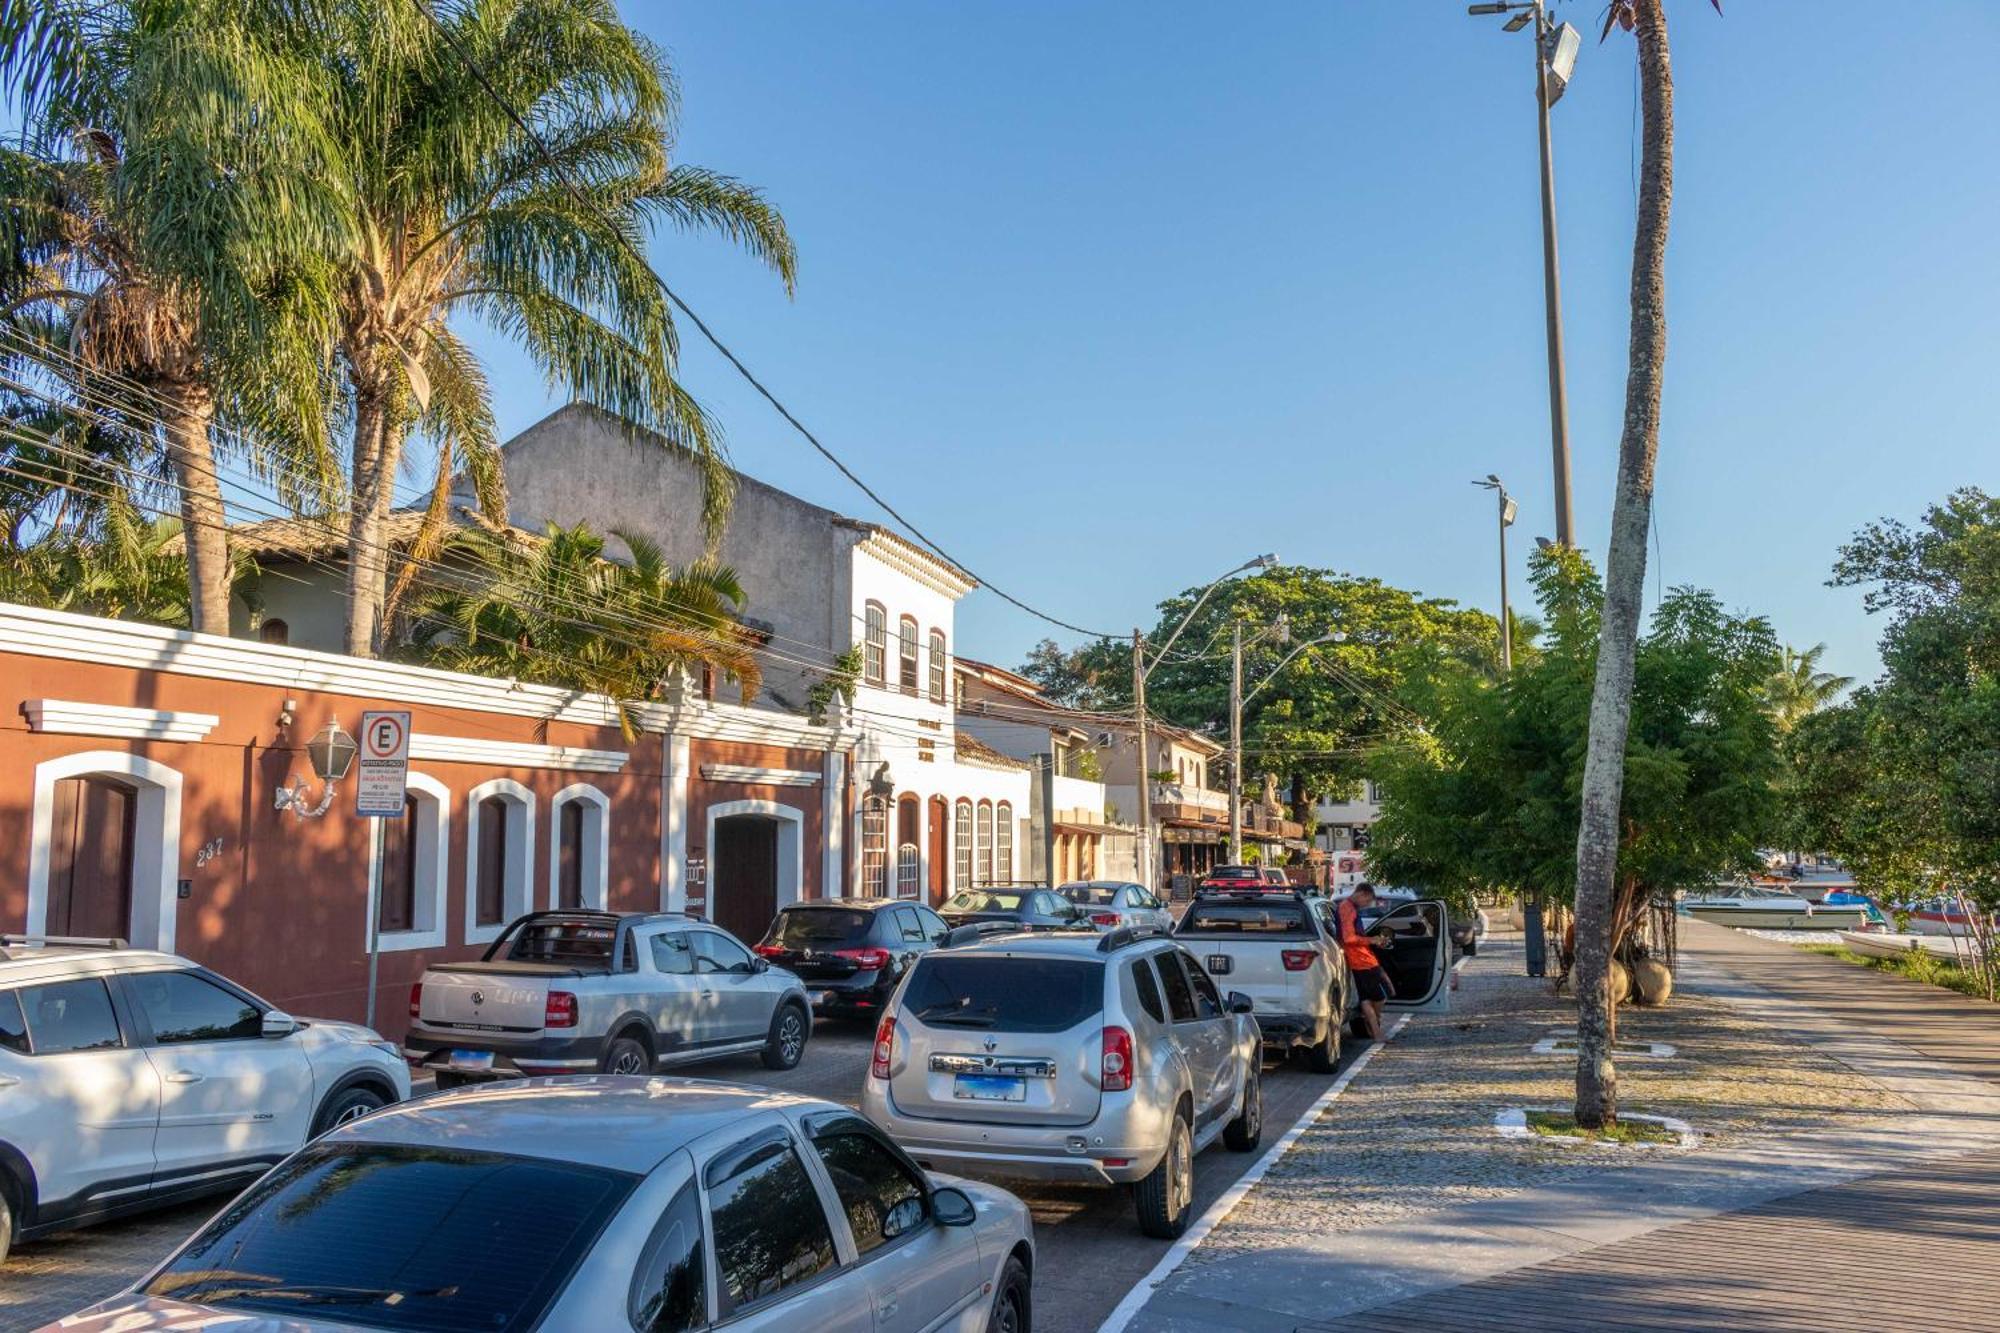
974,931
66,941
1124,937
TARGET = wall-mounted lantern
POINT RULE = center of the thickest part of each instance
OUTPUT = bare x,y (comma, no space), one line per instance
331,753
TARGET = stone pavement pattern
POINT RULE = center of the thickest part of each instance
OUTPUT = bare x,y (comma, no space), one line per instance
1403,1189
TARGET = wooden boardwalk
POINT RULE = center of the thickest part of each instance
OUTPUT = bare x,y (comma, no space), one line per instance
1916,1249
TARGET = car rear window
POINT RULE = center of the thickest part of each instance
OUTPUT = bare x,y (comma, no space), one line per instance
1279,917
800,927
400,1237
973,901
1089,895
563,942
1004,994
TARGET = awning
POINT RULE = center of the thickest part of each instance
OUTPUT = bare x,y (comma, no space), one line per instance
1088,830
1181,833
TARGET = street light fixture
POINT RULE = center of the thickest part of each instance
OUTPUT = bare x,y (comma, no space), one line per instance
1556,48
1141,672
331,753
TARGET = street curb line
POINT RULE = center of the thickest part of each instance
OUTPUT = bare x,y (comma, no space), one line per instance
1142,1291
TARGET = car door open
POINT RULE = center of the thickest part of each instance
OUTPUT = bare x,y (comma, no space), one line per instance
1418,960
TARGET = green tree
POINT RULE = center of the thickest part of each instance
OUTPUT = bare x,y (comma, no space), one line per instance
166,162
457,214
127,566
555,611
1799,687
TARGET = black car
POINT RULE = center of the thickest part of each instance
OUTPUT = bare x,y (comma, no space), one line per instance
1028,908
851,953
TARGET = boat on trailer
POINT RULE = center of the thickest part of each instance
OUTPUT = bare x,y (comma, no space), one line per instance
1755,910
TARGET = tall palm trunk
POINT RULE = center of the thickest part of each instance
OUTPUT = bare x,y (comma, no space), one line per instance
189,411
1624,584
377,442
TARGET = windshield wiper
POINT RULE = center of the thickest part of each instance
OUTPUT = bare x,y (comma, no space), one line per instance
941,1008
307,1294
948,1012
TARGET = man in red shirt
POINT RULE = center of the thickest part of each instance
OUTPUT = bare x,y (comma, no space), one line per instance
1371,981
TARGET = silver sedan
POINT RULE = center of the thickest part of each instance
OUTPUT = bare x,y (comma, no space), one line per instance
1110,903
598,1202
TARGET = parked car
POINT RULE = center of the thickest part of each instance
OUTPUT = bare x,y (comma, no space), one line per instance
851,953
1233,877
1090,1059
1282,953
598,1202
131,1079
1031,909
619,992
1417,956
1109,903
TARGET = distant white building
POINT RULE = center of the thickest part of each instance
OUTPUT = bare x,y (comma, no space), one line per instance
1343,833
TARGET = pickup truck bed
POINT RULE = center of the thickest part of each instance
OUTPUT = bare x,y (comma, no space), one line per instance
1274,948
499,967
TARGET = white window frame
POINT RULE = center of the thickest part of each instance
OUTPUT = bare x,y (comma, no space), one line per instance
595,852
875,644
982,847
1003,842
433,862
517,891
156,840
875,815
939,666
961,850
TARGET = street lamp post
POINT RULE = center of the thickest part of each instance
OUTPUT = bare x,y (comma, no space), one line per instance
1508,509
1141,671
1556,47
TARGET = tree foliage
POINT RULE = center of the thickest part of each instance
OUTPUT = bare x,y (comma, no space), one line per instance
1491,795
1798,687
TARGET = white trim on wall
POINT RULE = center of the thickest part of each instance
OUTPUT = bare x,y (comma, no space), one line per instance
595,852
514,754
673,824
517,895
156,840
433,835
68,717
750,775
791,848
832,881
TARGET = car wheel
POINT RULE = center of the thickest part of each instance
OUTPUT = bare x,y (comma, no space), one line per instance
345,1106
1244,1132
1166,1196
7,1224
787,1042
1012,1311
1324,1058
626,1055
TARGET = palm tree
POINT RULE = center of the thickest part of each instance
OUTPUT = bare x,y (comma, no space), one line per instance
555,611
457,213
1625,568
1799,688
128,566
162,169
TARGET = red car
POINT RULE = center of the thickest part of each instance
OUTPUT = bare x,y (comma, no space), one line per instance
1245,877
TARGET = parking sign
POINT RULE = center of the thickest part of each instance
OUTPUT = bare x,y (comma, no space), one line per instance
384,764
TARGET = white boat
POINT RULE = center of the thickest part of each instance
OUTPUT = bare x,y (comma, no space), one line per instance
1940,916
1764,911
1881,944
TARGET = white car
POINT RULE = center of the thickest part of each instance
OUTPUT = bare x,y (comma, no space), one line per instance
1111,903
1280,950
598,1202
131,1079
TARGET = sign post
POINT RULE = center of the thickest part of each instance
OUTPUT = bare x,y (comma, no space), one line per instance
379,792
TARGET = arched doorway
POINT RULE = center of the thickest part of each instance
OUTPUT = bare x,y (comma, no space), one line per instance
908,856
940,856
756,865
90,856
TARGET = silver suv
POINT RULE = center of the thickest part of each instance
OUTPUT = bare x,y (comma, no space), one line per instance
1083,1058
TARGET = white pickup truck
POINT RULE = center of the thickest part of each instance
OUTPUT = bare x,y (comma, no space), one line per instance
1278,949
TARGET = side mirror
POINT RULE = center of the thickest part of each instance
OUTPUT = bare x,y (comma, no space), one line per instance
760,964
278,1024
1239,1003
951,1207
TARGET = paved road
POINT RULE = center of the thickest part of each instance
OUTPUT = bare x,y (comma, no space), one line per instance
1090,1247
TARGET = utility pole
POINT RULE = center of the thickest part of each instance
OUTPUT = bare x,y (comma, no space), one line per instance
1552,286
1236,743
1506,615
1145,866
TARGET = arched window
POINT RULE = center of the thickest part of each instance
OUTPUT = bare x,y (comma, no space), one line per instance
579,871
1003,843
875,655
874,846
906,654
937,666
985,847
274,630
499,857
961,860
414,853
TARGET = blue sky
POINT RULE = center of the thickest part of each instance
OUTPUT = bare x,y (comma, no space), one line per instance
1109,297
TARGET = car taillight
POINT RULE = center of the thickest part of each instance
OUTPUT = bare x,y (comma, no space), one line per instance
1297,960
560,1011
868,960
1116,1063
416,999
767,950
1104,918
885,1047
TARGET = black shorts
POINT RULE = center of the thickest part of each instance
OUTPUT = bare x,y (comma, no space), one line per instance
1374,985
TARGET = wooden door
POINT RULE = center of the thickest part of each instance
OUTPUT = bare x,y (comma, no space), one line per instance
90,858
569,856
743,876
940,857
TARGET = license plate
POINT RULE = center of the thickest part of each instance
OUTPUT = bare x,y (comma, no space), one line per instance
1220,963
987,1088
471,1060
